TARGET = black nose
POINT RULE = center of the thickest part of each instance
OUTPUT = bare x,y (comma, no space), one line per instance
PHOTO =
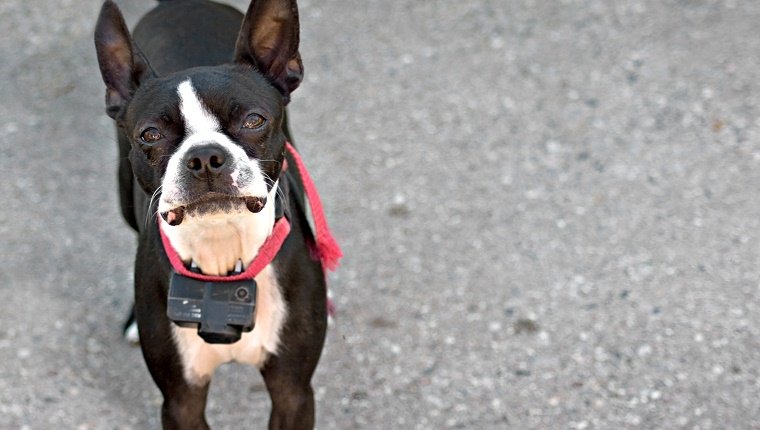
206,161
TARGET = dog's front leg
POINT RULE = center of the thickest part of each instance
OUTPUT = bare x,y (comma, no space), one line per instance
184,402
184,409
291,393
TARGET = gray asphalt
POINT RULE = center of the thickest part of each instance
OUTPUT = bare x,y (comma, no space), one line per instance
550,214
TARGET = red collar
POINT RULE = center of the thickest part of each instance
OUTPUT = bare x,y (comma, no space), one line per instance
266,254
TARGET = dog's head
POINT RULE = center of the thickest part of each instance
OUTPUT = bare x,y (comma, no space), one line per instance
207,140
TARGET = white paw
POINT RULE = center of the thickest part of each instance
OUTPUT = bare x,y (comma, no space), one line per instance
131,334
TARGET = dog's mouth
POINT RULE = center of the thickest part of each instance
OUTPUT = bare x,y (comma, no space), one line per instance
213,203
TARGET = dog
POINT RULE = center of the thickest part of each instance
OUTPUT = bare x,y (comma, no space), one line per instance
220,199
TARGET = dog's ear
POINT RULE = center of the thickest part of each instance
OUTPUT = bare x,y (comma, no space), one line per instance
268,40
122,65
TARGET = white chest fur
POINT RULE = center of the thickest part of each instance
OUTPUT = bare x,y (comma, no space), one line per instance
215,244
200,358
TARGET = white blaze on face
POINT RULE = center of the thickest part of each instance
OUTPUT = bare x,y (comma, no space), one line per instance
197,118
203,128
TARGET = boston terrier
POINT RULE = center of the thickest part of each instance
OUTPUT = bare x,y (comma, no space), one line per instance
233,245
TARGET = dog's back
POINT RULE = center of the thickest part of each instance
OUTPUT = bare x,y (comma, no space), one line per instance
206,37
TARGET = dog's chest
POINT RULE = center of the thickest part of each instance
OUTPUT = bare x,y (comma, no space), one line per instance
199,359
215,244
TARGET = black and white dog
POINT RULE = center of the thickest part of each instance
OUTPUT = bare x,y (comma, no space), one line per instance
210,181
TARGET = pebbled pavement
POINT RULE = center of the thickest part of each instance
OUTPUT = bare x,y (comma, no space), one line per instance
549,212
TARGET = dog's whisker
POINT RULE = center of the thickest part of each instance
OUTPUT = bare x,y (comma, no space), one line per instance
148,214
272,183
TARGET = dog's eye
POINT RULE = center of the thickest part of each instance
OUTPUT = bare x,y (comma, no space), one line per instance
254,121
151,135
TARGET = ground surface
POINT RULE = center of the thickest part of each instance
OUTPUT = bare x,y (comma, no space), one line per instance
550,213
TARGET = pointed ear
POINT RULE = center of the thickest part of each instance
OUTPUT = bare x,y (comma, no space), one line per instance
122,65
268,40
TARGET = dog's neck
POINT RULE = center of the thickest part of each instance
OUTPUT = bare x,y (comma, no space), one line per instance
215,243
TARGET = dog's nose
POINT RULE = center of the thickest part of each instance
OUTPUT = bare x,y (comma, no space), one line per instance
206,161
